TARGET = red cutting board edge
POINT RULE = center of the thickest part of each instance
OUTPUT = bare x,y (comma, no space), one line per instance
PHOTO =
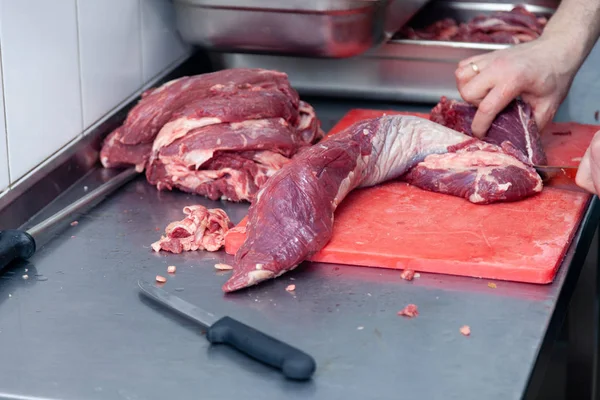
399,226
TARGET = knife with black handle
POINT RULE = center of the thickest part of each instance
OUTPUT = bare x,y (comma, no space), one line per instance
293,363
18,244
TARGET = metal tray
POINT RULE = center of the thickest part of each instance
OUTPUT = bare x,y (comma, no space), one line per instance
314,28
399,70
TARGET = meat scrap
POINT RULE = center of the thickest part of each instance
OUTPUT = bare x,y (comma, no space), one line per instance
293,213
465,330
223,267
160,279
220,135
505,27
409,311
290,288
171,269
201,229
407,275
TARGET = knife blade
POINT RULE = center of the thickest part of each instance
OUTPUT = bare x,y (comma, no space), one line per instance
17,244
548,172
294,363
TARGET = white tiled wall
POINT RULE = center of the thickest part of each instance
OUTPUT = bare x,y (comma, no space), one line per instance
41,85
3,155
68,63
160,41
110,50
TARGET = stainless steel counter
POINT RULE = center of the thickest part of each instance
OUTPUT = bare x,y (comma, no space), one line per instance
77,328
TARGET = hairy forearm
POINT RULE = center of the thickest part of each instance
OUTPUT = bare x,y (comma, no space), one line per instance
575,28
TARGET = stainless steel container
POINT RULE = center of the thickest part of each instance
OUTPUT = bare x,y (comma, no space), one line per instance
399,70
315,28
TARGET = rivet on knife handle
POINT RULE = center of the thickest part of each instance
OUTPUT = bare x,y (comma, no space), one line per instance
294,363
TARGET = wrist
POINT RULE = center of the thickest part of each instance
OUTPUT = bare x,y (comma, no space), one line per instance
569,50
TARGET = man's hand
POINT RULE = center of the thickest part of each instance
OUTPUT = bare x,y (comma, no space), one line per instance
540,71
588,175
536,71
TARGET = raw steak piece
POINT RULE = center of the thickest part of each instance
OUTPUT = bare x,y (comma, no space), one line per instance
515,124
201,229
158,105
230,161
506,27
292,216
220,134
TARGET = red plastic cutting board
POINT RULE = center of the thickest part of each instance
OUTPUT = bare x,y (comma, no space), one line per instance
399,226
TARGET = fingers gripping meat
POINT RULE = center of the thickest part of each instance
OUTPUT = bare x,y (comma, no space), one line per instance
292,215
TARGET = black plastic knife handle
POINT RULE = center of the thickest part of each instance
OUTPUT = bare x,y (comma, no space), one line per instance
15,244
294,363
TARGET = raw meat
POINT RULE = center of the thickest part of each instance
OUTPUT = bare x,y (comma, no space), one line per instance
505,27
220,134
201,229
409,311
407,274
292,216
515,124
465,330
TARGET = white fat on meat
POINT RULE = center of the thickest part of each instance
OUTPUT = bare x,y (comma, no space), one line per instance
178,128
192,179
271,160
523,118
165,85
407,141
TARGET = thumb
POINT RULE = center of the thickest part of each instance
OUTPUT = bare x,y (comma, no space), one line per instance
543,111
588,174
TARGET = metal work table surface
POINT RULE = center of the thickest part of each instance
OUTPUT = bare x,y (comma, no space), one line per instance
77,328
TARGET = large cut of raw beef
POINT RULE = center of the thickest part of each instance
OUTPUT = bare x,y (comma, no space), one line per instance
507,27
515,124
292,215
221,135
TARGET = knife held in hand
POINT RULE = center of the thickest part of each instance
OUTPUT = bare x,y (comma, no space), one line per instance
548,172
294,363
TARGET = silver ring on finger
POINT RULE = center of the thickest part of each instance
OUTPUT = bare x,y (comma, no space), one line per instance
474,67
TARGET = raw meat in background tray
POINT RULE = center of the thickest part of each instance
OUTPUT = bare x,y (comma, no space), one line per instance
506,27
523,241
292,216
221,134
